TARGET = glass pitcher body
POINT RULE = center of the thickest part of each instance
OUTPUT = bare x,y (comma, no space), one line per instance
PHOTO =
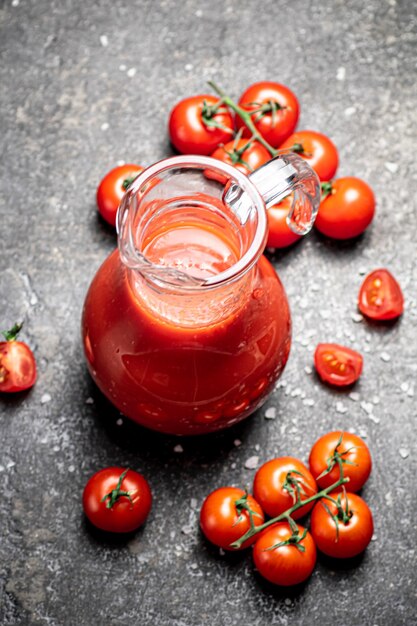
186,327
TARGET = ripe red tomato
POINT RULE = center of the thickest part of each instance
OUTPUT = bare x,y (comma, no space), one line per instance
280,234
347,210
285,565
112,189
344,539
277,484
246,160
275,111
196,128
380,296
355,455
117,500
17,363
317,149
337,365
221,520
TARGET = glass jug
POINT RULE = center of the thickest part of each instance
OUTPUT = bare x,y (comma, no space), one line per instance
186,327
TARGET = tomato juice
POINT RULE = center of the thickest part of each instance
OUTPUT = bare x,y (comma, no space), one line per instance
186,362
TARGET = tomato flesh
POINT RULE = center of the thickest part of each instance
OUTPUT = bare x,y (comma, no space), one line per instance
380,296
342,540
337,365
285,565
280,234
17,366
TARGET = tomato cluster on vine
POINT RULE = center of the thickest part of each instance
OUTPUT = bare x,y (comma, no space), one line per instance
284,552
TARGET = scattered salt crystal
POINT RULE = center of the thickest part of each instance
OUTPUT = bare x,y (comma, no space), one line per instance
367,407
362,433
385,357
404,453
287,602
357,318
122,67
2,468
89,401
308,402
410,392
257,447
354,396
131,72
119,422
15,3
296,392
271,413
10,464
71,468
199,13
45,398
308,369
193,503
374,537
222,552
340,407
362,271
172,534
178,448
188,67
186,530
193,565
404,387
391,167
375,400
341,73
104,40
350,111
120,162
233,466
388,498
374,419
105,126
237,443
56,448
252,462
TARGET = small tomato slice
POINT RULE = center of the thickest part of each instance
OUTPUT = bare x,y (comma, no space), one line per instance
337,365
274,108
380,296
317,149
197,125
17,363
117,500
285,564
280,483
223,521
280,234
347,208
112,188
353,453
342,530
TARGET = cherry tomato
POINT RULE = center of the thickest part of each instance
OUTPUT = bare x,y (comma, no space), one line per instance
380,296
17,363
347,210
346,538
112,189
337,365
245,160
280,234
277,485
285,565
275,111
117,500
355,455
317,149
224,521
196,128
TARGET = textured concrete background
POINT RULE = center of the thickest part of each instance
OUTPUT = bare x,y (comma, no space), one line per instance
86,84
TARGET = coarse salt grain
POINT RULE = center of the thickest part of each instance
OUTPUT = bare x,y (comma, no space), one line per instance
89,401
271,413
104,40
119,422
385,357
131,72
404,453
45,398
237,443
252,462
178,448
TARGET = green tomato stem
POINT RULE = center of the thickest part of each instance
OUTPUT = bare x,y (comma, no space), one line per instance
244,116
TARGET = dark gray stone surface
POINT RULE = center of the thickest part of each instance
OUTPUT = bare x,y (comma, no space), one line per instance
70,108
